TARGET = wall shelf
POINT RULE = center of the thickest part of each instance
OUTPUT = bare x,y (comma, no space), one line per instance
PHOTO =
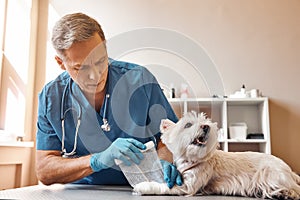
16,144
253,111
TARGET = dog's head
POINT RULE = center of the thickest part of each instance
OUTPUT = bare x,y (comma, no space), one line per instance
194,136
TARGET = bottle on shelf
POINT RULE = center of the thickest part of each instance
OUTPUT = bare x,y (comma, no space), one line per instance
243,90
172,91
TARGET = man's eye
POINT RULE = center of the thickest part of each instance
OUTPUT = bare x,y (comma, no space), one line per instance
188,125
101,61
83,67
77,69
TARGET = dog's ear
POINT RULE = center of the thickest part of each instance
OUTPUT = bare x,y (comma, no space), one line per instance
165,124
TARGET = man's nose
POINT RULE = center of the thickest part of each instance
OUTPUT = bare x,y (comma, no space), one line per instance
94,73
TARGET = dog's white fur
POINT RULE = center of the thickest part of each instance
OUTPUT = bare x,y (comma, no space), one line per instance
206,170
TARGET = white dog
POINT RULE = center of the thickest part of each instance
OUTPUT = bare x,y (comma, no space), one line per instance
206,170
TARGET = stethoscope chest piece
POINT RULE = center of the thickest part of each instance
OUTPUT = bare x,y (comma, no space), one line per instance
105,126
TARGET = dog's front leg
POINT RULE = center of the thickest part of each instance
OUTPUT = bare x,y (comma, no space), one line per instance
196,179
156,188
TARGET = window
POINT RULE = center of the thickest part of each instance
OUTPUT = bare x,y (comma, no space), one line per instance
15,30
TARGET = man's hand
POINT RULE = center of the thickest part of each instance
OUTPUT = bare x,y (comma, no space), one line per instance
125,149
171,174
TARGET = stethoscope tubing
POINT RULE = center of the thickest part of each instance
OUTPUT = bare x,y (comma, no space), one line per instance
105,126
62,113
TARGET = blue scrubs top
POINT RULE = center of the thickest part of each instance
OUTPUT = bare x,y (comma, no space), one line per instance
134,110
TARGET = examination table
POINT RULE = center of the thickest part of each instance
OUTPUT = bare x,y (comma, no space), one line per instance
90,192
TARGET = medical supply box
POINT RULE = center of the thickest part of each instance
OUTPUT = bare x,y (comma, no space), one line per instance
238,131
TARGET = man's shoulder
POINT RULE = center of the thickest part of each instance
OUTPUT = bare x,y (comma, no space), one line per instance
59,82
125,65
135,71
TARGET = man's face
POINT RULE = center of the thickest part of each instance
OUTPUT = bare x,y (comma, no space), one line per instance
87,64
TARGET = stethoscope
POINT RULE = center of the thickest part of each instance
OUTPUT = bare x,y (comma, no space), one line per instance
105,127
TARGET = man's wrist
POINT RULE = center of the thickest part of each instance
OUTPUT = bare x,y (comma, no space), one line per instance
95,164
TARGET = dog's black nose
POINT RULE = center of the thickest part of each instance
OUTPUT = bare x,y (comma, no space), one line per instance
205,128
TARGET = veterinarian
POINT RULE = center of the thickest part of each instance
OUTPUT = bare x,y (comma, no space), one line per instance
96,111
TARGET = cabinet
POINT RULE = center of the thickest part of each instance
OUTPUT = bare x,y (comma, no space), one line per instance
15,164
254,112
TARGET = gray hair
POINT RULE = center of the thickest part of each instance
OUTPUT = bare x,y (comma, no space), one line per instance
72,28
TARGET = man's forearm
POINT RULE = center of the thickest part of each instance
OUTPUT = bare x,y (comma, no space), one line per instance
51,168
164,153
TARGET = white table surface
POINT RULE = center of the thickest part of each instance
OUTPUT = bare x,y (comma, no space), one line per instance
90,192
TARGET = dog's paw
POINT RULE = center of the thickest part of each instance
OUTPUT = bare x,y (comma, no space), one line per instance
150,188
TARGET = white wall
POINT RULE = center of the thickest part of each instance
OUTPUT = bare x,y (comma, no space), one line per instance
251,42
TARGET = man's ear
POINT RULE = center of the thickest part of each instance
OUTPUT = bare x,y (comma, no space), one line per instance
165,125
60,62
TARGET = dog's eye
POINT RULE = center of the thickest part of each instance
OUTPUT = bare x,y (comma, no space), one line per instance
188,125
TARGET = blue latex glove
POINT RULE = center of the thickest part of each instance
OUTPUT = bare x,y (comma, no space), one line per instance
125,149
171,174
